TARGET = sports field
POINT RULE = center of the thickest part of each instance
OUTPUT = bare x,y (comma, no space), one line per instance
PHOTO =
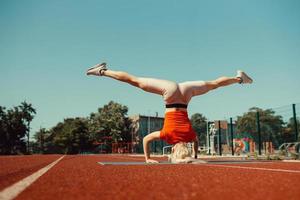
82,177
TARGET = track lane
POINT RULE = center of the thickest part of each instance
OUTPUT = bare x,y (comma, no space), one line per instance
271,165
15,168
81,177
15,189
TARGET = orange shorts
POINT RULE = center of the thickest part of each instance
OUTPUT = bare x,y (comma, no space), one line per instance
177,128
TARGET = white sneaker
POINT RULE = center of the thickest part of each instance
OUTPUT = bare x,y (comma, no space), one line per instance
244,77
97,70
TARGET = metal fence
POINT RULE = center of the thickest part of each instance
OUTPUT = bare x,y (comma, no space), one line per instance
257,131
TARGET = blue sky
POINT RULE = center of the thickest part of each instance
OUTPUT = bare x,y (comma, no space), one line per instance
46,47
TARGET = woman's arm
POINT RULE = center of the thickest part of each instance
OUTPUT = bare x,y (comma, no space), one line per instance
147,139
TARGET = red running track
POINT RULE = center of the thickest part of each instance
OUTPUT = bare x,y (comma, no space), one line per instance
80,177
15,168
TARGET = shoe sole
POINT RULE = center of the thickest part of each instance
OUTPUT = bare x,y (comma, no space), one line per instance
247,77
102,64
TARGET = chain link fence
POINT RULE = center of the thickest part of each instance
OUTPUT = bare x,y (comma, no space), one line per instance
256,132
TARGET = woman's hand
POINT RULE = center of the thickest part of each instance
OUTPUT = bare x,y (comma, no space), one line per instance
151,161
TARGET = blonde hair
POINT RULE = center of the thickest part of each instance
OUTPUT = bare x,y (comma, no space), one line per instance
180,153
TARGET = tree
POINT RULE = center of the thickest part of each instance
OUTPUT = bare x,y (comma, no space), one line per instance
199,124
14,125
289,131
27,112
71,136
271,125
3,130
110,122
40,137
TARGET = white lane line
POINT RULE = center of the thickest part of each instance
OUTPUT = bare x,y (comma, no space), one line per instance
257,168
14,190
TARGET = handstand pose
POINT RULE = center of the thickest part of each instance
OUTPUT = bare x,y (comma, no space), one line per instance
177,129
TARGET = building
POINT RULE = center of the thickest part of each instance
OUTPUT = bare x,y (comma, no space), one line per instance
142,126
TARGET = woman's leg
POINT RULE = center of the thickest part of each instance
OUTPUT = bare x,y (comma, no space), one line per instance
168,89
241,77
157,86
194,88
221,82
124,77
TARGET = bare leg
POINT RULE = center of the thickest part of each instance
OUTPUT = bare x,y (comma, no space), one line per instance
124,77
171,91
221,82
139,82
162,87
168,89
194,88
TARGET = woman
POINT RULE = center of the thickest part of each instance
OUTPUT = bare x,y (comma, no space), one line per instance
177,129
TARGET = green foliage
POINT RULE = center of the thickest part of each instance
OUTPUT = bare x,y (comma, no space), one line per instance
199,124
289,131
79,135
14,126
271,125
110,122
243,135
69,137
41,137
